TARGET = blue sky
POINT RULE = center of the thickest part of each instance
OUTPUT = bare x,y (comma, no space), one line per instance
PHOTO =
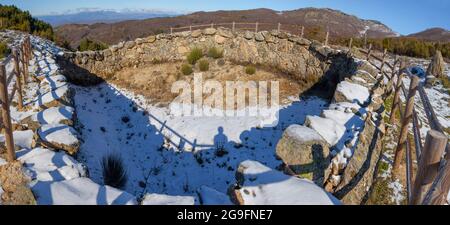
404,16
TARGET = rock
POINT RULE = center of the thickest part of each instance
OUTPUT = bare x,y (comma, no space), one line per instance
260,185
139,41
54,115
432,81
15,185
331,131
59,136
350,92
304,151
196,33
268,37
80,191
161,199
129,44
219,39
248,35
437,65
209,31
60,96
259,37
150,39
183,50
225,33
41,164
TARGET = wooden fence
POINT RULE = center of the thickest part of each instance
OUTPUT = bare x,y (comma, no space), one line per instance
20,56
431,183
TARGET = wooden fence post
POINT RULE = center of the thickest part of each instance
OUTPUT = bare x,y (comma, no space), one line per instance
190,28
350,45
369,52
279,27
396,101
428,167
234,26
302,33
437,195
407,117
365,40
383,61
256,27
18,77
212,25
171,30
326,38
24,65
9,139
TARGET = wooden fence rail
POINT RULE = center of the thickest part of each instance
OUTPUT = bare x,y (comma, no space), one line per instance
431,183
20,56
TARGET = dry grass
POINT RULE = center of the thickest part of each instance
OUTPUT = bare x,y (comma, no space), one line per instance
155,81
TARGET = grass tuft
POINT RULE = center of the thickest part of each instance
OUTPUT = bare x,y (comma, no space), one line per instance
114,173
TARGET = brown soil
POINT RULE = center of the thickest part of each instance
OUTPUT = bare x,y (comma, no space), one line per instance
155,81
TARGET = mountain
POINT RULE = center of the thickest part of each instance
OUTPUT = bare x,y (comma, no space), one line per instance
315,21
87,16
433,34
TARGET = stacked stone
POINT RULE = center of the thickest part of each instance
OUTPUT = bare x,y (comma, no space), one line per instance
335,149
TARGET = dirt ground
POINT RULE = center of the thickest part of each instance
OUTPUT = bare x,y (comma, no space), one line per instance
155,81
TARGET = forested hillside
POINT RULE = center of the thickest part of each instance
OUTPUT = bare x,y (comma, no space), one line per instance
13,18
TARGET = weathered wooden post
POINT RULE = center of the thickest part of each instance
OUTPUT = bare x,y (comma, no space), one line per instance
18,78
428,167
437,195
383,61
212,25
350,45
256,27
302,33
171,30
234,26
369,52
396,101
326,38
190,28
24,65
405,124
9,139
365,40
279,27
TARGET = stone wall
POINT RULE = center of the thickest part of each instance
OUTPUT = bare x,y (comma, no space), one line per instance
300,58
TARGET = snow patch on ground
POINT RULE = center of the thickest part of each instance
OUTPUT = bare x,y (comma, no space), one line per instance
58,133
265,186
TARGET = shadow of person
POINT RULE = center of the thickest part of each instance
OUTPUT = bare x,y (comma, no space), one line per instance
220,139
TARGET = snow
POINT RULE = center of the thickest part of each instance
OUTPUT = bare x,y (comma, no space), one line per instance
52,95
338,116
45,165
23,139
160,199
303,133
265,186
58,133
353,92
210,196
54,115
174,168
80,191
331,131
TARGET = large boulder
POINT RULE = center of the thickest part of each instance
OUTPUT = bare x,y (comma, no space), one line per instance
437,65
60,96
59,136
304,151
260,185
350,92
14,184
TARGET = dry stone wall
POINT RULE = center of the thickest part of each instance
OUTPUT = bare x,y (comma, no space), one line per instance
300,58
